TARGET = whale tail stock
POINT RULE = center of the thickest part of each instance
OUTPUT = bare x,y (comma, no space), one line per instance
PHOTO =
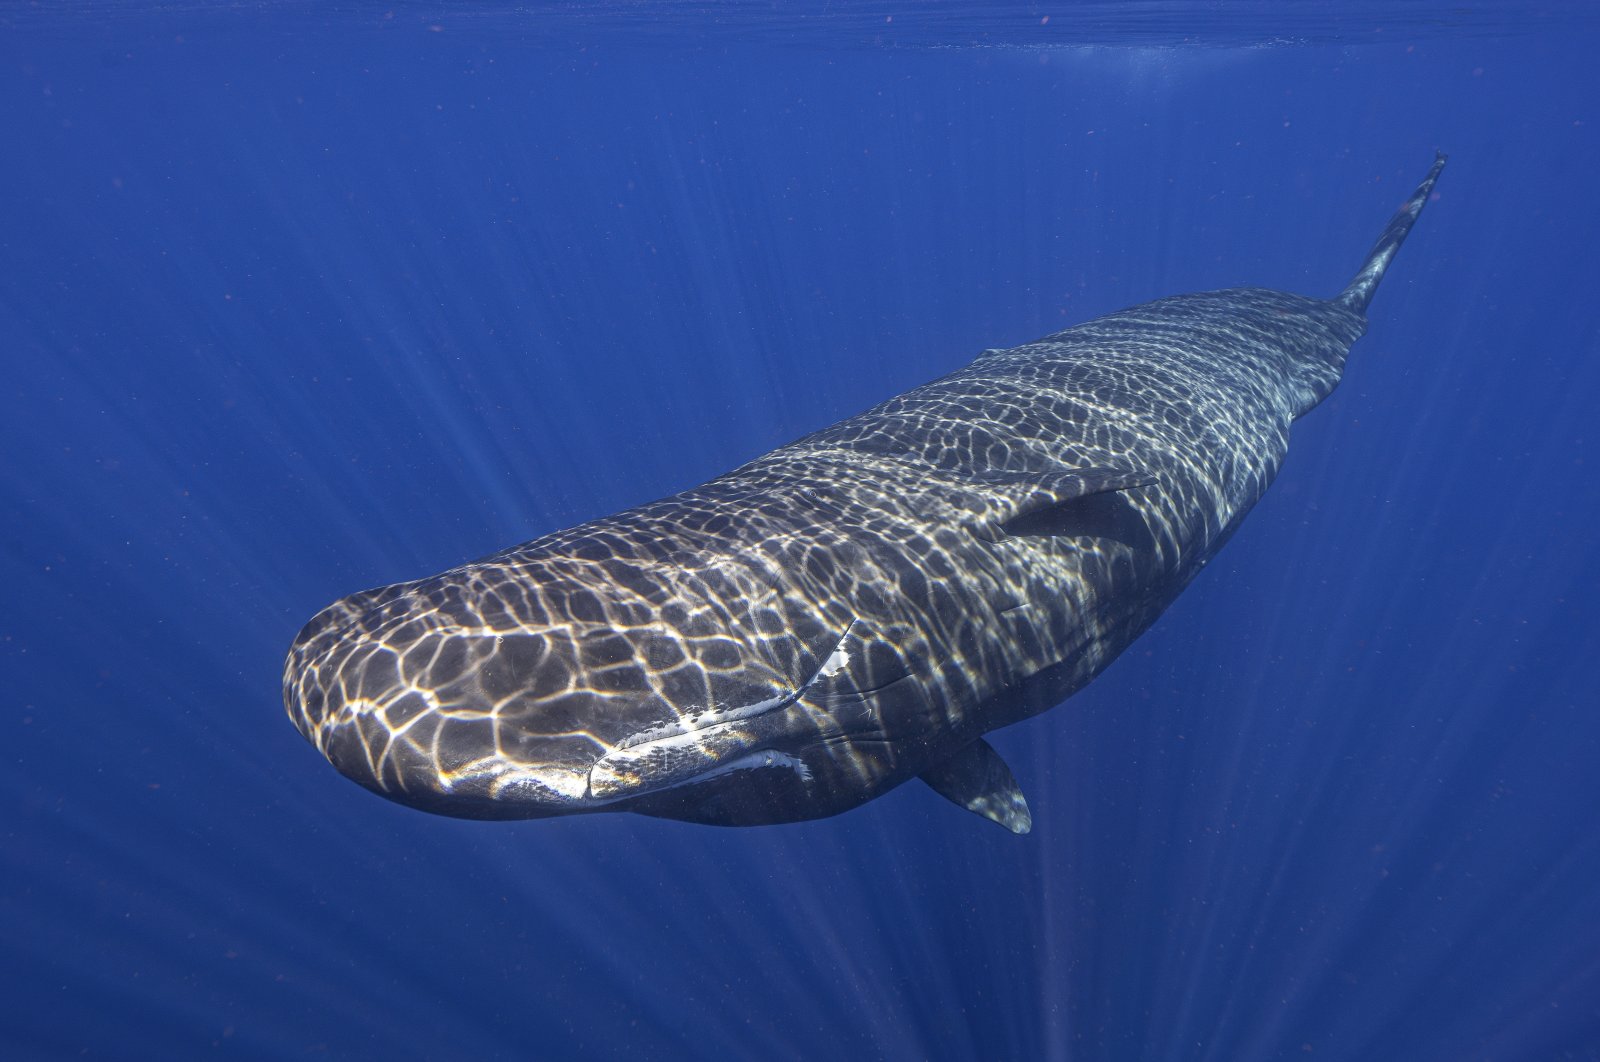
1359,293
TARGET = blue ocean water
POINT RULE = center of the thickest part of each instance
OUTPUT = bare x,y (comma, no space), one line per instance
301,299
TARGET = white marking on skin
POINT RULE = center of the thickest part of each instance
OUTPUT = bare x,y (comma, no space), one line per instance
698,721
753,761
511,779
835,663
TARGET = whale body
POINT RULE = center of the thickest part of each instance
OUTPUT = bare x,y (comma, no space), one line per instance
852,610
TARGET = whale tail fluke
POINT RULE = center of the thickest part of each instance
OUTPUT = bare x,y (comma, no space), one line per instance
1359,293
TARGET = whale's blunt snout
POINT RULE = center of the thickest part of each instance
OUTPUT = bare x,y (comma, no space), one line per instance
465,724
570,716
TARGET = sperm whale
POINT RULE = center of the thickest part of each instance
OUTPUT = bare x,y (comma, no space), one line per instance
852,610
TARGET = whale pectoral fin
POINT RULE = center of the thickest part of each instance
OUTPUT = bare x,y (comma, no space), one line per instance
979,780
1054,503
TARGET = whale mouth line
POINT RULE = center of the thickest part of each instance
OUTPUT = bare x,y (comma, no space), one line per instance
705,744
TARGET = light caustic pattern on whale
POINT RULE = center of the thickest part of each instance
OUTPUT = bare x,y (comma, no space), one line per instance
849,611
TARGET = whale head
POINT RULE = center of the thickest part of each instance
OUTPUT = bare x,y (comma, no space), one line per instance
560,680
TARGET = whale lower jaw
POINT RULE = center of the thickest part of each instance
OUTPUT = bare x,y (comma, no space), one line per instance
684,759
659,763
651,768
711,743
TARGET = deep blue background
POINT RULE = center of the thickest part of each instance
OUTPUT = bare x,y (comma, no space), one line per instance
292,308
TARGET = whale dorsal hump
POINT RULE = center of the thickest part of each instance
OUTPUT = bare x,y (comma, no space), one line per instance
979,780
